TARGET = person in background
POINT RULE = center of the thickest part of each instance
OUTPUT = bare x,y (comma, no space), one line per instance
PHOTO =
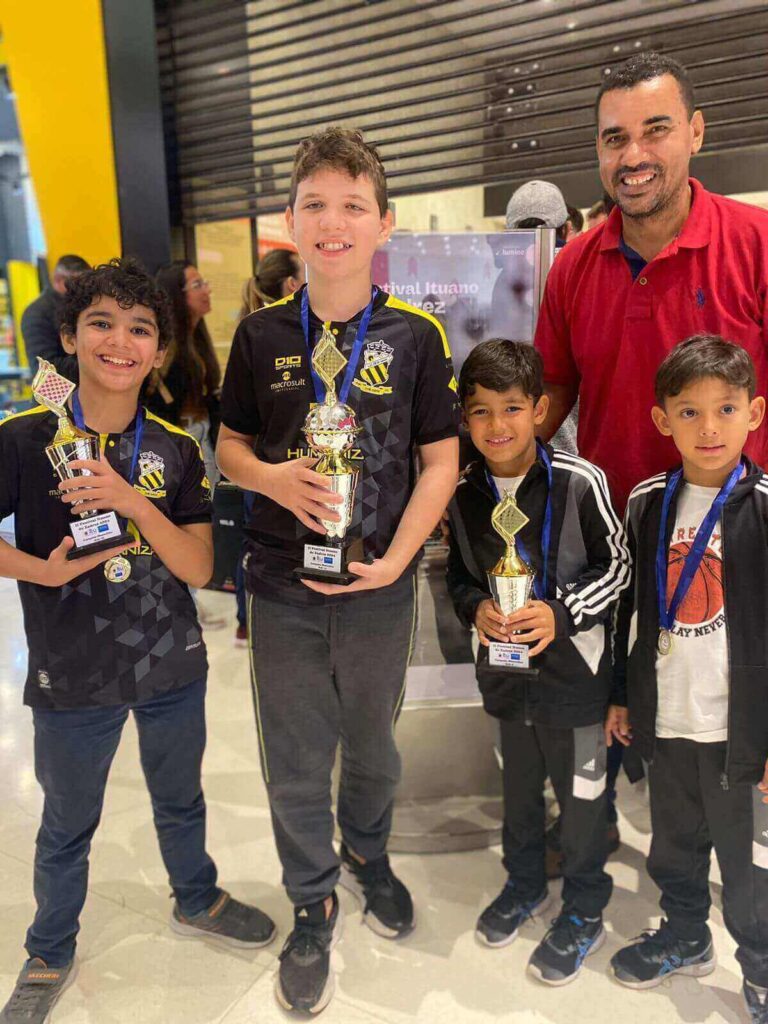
598,212
40,320
575,223
279,273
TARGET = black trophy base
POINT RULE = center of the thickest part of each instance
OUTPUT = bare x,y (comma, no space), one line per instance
341,579
101,545
512,672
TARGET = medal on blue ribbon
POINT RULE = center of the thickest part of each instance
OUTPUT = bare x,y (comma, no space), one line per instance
354,356
668,612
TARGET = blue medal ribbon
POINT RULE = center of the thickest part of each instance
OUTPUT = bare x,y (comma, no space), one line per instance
539,584
668,613
354,357
77,412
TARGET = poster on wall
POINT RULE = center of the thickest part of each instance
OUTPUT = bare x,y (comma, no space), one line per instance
479,286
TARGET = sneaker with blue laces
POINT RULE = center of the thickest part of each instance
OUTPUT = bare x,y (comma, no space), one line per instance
657,953
559,956
756,999
500,922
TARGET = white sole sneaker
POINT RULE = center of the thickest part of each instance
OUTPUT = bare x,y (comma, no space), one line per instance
330,984
557,982
690,970
349,881
540,909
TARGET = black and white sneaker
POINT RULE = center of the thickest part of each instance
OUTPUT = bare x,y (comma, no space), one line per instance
499,923
558,957
657,953
387,905
38,987
757,1002
304,979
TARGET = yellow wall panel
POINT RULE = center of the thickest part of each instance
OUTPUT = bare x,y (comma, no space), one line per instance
57,61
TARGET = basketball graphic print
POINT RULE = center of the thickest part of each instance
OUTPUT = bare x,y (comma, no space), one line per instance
704,599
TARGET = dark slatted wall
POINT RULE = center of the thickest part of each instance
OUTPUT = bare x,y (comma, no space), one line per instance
455,92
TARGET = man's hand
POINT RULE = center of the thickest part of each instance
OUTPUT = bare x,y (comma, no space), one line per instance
536,622
763,785
295,486
617,726
490,623
57,571
379,573
103,489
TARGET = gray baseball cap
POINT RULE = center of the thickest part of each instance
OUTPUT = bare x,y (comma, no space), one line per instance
539,199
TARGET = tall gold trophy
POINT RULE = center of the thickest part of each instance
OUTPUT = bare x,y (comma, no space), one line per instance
330,429
94,531
510,581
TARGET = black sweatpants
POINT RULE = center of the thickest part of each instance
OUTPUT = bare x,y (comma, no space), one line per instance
691,813
575,761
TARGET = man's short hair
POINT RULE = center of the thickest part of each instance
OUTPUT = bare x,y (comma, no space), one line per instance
71,265
342,149
124,280
702,356
644,67
498,365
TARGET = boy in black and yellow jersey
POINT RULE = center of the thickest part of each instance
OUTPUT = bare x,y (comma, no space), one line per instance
329,662
106,639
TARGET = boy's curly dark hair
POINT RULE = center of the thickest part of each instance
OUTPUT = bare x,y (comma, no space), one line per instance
124,280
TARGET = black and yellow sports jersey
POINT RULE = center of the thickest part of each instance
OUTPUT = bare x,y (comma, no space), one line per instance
403,393
92,642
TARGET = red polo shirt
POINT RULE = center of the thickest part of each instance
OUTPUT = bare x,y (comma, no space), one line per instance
607,334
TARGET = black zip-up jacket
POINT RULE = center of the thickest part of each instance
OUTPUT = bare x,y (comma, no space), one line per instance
745,587
588,568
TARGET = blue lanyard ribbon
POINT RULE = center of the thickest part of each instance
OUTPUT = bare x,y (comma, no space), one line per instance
668,613
539,584
354,357
77,411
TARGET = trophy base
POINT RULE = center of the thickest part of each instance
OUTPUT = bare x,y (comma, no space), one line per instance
517,674
342,579
101,545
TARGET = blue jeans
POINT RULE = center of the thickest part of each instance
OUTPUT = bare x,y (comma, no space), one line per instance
73,754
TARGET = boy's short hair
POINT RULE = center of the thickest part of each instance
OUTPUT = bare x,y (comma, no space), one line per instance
498,365
342,149
702,356
124,280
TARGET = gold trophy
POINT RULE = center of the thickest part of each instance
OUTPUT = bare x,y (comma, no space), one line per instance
330,429
95,531
510,582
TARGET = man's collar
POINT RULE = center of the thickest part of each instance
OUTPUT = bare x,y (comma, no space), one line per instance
697,230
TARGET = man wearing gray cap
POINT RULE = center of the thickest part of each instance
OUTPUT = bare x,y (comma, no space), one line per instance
538,204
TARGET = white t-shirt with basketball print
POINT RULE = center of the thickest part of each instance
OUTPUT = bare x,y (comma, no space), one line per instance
693,677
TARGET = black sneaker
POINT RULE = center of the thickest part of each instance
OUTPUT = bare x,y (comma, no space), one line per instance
558,957
228,922
499,922
304,980
757,1002
37,989
658,953
387,905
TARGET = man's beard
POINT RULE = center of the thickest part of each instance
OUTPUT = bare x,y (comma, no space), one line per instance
664,197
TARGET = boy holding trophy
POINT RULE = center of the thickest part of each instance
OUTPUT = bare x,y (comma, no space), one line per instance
337,387
537,562
105,550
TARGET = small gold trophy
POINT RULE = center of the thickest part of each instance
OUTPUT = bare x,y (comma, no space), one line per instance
330,429
96,531
510,581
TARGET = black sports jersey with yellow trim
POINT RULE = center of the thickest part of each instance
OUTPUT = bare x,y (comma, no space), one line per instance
92,642
403,393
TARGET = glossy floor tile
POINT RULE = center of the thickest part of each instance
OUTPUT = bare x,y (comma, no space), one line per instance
133,969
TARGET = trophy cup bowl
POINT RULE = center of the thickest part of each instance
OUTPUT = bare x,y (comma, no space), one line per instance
331,430
62,453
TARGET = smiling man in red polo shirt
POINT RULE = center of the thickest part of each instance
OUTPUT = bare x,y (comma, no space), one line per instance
672,260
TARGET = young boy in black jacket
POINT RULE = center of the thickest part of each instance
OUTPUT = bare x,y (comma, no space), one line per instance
690,657
550,714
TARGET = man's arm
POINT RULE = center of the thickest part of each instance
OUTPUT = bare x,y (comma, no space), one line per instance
41,338
562,398
435,486
553,342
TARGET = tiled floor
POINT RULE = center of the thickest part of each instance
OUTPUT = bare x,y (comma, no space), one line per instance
133,969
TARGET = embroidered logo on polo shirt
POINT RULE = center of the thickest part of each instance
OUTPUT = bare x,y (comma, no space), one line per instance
700,297
43,679
377,359
151,482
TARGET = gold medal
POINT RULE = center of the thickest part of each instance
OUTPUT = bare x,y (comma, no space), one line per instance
664,643
117,569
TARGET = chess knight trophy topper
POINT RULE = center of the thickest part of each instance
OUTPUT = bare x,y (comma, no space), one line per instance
330,429
510,581
95,531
